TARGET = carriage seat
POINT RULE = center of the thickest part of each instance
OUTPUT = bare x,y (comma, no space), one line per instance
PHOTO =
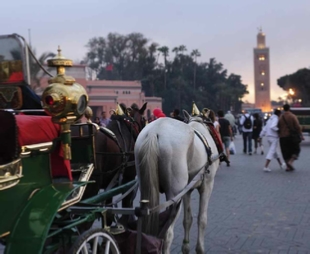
40,129
9,151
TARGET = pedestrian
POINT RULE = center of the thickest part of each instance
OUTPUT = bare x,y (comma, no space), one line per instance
97,121
215,123
175,114
288,123
151,118
230,117
226,133
158,113
257,128
270,130
246,121
104,119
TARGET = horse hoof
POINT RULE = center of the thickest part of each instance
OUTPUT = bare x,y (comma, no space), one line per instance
185,248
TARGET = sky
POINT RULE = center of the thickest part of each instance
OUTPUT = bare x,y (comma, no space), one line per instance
223,29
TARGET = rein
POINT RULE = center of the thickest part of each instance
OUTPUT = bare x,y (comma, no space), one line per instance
133,128
199,176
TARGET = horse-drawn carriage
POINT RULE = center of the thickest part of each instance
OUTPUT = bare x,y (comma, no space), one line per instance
52,168
49,177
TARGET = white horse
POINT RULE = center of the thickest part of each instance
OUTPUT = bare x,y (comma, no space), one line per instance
169,154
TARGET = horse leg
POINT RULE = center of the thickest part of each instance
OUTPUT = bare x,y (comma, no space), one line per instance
169,235
187,222
205,193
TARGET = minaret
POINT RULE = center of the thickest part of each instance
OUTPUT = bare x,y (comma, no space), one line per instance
262,74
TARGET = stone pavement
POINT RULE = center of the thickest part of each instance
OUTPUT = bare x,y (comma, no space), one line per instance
251,211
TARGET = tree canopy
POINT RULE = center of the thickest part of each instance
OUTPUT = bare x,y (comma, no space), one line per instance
179,80
299,82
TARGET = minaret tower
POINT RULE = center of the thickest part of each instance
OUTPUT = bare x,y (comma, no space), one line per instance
262,74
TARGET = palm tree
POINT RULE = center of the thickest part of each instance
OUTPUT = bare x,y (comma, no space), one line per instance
182,49
165,51
176,51
195,53
36,71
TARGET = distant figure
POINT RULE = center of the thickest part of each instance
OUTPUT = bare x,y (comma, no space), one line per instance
226,133
270,130
158,113
257,128
176,115
230,117
104,120
151,118
288,123
97,121
246,121
215,123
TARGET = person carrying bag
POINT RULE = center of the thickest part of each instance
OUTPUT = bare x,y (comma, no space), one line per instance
290,137
294,134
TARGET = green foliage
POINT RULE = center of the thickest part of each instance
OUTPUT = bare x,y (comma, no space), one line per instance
178,80
299,82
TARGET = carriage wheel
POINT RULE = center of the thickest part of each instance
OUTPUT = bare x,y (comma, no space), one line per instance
95,241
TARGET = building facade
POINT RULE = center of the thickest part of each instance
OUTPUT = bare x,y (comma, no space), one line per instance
105,94
262,74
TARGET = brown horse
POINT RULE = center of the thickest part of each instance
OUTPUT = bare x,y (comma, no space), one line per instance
115,154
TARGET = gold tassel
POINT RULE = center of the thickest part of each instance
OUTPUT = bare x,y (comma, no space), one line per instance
119,110
195,110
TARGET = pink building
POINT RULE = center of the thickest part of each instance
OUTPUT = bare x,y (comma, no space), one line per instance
105,94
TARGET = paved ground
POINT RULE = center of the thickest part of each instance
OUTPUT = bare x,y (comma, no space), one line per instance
252,211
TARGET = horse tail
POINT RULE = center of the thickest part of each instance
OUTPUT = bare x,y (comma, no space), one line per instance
149,183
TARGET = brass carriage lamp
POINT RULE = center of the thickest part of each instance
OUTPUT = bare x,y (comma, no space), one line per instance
64,99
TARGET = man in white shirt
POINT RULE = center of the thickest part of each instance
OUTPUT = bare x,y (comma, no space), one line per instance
271,131
247,132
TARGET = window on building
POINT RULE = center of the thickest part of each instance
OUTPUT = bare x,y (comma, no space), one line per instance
262,86
261,57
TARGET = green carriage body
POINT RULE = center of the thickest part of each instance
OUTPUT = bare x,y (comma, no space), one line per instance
36,206
30,196
28,208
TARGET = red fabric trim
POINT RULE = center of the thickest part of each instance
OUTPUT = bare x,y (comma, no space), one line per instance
216,138
39,129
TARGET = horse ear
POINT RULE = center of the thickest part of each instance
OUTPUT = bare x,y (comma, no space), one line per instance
143,108
186,115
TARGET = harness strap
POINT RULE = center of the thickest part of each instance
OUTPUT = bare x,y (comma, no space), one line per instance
206,144
199,176
125,194
111,134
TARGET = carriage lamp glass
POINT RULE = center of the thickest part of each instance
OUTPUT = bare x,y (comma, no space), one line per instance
49,100
52,99
81,105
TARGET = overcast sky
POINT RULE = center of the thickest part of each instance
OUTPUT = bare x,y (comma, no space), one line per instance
223,29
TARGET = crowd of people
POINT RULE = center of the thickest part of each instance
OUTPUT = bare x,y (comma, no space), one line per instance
281,129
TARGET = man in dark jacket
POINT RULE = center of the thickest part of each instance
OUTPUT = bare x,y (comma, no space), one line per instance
176,115
290,149
226,133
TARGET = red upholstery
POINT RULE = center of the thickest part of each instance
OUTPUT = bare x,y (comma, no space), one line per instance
39,129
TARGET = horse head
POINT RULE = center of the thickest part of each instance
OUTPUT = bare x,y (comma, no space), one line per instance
138,115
